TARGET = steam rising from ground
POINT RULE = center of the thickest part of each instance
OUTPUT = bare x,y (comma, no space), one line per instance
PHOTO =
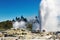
50,12
20,24
36,27
15,24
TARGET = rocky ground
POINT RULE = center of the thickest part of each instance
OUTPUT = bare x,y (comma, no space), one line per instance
20,34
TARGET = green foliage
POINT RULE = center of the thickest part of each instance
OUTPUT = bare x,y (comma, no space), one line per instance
6,25
29,26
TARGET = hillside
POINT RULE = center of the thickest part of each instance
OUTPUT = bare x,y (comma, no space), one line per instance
5,25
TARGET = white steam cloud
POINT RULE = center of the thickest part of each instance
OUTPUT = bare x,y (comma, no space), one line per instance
50,13
20,24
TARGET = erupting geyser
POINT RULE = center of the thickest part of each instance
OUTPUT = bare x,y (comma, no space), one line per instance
50,15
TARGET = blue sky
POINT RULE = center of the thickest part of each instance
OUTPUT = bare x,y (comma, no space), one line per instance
9,9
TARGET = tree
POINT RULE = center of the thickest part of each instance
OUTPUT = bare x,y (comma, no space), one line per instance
22,17
25,19
6,24
13,20
16,18
29,26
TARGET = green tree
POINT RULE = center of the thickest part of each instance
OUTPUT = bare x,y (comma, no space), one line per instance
29,26
6,24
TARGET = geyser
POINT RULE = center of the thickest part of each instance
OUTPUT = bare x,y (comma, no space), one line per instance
50,15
